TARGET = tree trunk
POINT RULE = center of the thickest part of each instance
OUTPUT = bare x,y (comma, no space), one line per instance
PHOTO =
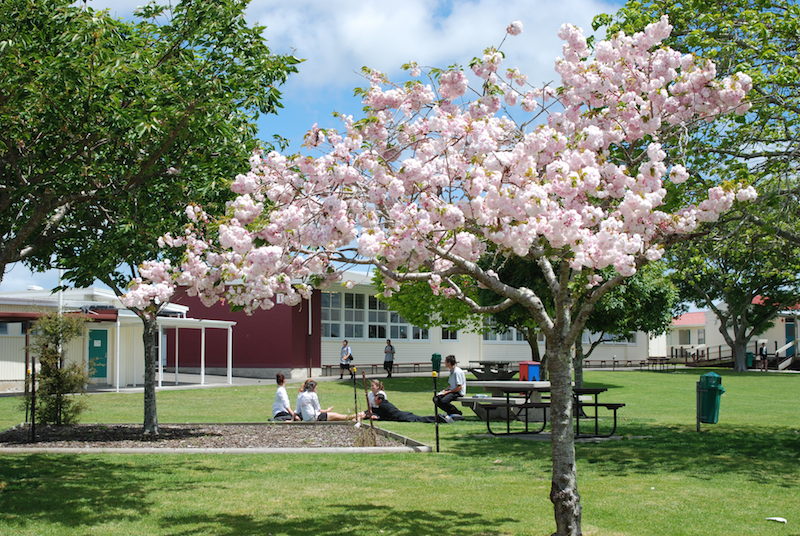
150,332
564,485
577,364
739,355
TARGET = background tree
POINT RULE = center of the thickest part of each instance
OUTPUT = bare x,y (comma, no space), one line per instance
429,181
646,302
161,100
93,107
745,275
735,264
59,384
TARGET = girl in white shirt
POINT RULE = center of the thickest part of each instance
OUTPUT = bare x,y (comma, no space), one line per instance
281,408
308,406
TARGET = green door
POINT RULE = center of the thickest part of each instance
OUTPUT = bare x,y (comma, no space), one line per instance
98,353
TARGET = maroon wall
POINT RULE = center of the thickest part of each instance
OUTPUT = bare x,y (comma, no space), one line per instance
277,338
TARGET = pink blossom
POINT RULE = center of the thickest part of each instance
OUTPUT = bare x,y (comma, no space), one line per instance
515,28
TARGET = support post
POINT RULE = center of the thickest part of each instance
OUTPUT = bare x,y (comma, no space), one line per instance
116,354
160,355
176,355
203,356
230,356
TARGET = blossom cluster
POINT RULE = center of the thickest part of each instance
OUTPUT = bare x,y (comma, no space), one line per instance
428,180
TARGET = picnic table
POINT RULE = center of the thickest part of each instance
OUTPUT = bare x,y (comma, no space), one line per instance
493,370
535,395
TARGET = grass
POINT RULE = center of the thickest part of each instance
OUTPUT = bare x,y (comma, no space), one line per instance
662,478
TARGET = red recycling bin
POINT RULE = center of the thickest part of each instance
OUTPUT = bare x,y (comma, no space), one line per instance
530,371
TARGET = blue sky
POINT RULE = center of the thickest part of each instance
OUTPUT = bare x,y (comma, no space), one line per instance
338,37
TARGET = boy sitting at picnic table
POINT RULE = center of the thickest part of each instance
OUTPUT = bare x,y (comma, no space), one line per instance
386,411
457,387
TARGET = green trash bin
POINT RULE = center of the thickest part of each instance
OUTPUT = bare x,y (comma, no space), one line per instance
436,362
709,391
750,358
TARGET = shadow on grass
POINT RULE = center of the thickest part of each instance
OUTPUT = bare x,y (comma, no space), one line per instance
341,519
77,491
765,455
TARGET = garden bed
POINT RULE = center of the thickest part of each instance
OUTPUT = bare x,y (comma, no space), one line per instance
201,436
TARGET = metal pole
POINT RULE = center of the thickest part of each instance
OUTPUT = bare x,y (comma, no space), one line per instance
435,374
355,389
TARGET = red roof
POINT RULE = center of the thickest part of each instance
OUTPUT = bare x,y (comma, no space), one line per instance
759,300
697,318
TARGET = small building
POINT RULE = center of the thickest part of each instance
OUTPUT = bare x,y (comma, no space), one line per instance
111,347
697,333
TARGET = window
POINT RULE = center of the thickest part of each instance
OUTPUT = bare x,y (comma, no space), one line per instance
684,336
377,317
419,334
510,335
3,328
353,315
331,314
449,334
701,336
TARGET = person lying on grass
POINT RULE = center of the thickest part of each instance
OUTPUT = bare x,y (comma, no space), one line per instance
386,411
308,406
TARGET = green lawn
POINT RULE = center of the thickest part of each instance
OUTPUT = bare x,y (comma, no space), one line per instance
661,478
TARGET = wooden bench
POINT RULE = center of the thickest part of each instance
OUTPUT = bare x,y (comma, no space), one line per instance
375,368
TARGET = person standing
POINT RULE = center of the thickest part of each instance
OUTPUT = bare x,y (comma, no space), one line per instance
763,356
281,408
388,358
456,388
345,357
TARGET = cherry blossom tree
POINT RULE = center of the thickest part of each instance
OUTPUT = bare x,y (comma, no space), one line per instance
435,173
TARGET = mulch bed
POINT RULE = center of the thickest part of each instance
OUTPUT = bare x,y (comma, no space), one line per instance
291,435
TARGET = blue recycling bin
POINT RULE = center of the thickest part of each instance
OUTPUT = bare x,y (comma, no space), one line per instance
530,371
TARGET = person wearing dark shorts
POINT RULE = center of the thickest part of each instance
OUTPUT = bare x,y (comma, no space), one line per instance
388,358
345,357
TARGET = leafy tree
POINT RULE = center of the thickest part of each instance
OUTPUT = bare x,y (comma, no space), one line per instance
58,382
745,275
93,107
737,263
430,180
143,118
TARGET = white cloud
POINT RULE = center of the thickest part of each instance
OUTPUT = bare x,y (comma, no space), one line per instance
337,38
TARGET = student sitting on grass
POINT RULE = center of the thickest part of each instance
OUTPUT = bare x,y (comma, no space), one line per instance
281,408
308,406
375,386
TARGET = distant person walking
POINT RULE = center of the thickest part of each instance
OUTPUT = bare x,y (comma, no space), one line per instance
345,357
456,388
388,358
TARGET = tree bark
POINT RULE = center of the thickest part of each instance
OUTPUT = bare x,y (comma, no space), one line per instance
577,364
564,486
149,334
739,355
